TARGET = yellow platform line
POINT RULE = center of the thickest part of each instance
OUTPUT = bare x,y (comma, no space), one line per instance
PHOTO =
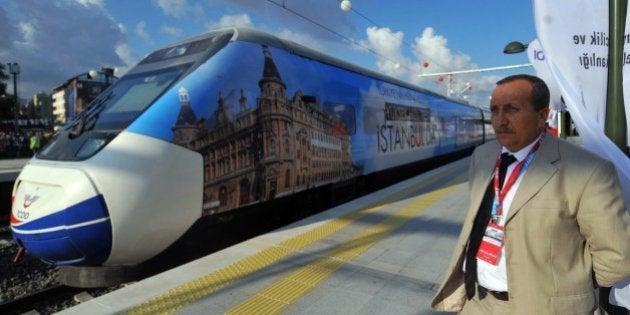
277,296
176,298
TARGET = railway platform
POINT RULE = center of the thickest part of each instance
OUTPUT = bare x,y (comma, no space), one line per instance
10,169
384,253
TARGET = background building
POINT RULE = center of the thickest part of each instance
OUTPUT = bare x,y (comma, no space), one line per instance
39,111
74,95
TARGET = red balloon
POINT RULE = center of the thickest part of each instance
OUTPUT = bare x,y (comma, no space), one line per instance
440,78
425,64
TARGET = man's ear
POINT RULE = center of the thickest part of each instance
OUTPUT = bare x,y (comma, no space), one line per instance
544,114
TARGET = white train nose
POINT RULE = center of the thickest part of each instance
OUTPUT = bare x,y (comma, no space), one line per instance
59,217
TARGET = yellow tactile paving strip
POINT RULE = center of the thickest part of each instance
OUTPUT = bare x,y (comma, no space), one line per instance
282,293
185,294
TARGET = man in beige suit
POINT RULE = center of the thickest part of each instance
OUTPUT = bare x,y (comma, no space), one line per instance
554,229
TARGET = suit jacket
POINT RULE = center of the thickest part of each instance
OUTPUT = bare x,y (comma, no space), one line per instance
567,227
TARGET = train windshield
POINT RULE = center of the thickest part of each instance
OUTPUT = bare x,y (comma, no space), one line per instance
132,95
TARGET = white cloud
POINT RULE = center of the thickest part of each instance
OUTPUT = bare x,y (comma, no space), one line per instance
142,33
98,3
433,47
122,28
387,42
244,20
240,20
172,31
389,46
278,12
124,53
8,32
28,32
85,39
176,8
304,39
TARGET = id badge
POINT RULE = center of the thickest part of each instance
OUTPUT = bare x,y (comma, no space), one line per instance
491,244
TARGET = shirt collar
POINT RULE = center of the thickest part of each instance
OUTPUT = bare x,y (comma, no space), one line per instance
522,153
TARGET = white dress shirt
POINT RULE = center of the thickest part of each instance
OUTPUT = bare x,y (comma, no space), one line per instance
490,276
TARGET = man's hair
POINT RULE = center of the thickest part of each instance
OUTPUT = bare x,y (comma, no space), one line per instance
540,92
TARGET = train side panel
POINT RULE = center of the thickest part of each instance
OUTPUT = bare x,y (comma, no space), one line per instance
206,126
269,123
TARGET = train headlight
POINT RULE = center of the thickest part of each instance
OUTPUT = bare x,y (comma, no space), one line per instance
90,146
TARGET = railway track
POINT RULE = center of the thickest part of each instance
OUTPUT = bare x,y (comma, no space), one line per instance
40,299
27,284
5,232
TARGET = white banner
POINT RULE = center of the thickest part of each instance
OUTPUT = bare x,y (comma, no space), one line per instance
626,74
537,59
574,36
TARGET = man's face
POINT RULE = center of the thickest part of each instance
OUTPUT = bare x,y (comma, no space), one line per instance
514,119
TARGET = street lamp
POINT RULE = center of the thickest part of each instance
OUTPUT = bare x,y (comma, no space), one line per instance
514,48
109,72
14,69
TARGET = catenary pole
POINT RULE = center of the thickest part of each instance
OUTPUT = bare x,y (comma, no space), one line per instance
615,126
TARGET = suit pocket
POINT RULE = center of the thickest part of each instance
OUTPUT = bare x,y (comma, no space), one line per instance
558,208
548,204
574,304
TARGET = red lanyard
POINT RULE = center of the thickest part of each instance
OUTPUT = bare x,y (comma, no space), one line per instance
500,193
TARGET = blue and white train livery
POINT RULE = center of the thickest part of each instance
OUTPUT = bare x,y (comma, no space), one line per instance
230,118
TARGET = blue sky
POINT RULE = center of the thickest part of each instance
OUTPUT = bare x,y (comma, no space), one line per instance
57,39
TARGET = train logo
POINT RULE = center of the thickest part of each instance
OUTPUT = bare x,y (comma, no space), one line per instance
28,200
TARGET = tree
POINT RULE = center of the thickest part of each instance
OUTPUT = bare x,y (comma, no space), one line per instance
3,77
6,100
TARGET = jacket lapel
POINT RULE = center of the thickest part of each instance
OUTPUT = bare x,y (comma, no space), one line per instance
483,177
480,180
537,174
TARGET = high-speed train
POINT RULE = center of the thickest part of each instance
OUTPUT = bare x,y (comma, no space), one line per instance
228,119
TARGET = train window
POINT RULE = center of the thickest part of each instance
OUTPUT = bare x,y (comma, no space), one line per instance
141,91
180,50
176,51
132,94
